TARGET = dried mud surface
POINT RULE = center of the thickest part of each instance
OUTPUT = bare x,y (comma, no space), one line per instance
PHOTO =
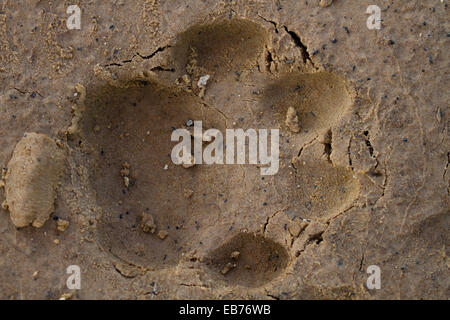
364,152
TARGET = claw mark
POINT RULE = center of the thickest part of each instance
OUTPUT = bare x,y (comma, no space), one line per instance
295,37
327,146
299,43
269,59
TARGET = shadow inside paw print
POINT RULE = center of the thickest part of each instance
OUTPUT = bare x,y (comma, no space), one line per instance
153,211
248,259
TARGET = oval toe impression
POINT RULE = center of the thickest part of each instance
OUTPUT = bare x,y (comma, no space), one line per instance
31,180
318,99
221,46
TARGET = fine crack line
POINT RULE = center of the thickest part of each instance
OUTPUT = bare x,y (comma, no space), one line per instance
349,152
305,145
207,106
270,218
137,54
385,180
270,21
446,166
27,92
160,49
361,263
353,205
193,285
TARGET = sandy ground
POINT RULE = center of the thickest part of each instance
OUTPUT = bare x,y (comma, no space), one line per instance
85,123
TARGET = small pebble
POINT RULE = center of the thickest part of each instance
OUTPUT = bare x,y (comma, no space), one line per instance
66,296
235,255
325,3
162,234
148,223
228,267
203,81
62,225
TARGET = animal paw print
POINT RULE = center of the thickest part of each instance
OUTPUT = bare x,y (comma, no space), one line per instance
224,74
